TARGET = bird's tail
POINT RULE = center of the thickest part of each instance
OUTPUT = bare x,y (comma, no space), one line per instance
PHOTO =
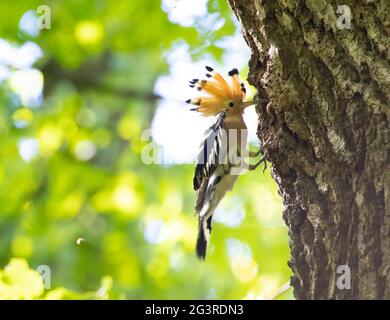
204,231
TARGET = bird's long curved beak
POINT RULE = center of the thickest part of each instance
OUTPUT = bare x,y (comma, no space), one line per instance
252,102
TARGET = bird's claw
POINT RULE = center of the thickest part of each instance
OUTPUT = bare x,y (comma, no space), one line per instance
263,159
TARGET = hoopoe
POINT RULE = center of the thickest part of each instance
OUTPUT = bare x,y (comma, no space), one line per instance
223,149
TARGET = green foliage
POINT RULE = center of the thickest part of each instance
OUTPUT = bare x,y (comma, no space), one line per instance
18,281
84,203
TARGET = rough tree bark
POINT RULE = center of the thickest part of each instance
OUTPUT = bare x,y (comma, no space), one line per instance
327,124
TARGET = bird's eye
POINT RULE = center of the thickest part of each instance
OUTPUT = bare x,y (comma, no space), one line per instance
231,104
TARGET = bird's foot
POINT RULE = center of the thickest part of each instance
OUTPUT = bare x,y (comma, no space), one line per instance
262,159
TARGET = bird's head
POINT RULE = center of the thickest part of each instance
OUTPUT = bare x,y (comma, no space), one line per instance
221,95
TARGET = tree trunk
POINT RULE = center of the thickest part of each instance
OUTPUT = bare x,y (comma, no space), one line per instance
327,129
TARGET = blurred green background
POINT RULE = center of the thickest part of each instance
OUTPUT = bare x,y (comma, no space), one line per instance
75,194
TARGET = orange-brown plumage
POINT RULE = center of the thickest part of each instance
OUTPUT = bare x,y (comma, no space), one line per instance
221,94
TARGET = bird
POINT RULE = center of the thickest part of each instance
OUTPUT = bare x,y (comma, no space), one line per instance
222,152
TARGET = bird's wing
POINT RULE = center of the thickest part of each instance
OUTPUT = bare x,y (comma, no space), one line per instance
211,150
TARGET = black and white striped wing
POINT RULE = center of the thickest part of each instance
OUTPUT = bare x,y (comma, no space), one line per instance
211,150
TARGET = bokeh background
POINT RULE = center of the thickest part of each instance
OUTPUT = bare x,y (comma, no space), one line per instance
97,154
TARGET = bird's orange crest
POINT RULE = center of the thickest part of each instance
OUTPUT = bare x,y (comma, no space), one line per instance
221,94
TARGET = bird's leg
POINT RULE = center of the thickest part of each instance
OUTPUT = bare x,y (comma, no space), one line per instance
253,154
262,159
254,166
